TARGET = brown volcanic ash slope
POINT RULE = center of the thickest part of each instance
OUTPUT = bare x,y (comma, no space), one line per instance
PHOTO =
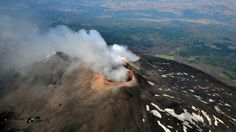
62,94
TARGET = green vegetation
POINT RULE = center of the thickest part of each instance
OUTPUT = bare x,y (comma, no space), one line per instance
167,57
221,58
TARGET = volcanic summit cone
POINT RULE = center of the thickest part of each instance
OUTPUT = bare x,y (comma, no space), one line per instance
61,93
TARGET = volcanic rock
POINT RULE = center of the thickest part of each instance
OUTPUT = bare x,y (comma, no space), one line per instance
61,93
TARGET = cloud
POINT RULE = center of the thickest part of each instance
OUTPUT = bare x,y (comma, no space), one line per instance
23,43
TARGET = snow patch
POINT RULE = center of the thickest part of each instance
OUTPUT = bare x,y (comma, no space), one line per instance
147,108
155,113
198,97
151,83
191,90
186,116
226,104
218,109
203,101
211,100
179,73
157,107
143,120
166,75
166,95
185,73
163,127
184,91
194,108
207,116
184,128
217,120
230,94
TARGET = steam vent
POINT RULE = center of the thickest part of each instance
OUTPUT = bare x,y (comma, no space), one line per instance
61,93
101,81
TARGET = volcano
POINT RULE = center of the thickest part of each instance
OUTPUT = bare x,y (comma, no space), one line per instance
61,93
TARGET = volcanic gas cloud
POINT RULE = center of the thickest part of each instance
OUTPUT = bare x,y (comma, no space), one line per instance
26,43
107,60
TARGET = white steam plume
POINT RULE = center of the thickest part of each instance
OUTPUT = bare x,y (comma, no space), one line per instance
21,42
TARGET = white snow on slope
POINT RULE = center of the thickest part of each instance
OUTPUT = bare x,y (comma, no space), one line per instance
217,120
147,108
151,83
166,95
157,107
207,116
164,127
155,113
186,116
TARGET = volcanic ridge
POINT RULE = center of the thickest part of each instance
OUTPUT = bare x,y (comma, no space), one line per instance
61,93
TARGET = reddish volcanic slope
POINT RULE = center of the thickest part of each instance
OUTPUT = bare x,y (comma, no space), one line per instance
101,81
